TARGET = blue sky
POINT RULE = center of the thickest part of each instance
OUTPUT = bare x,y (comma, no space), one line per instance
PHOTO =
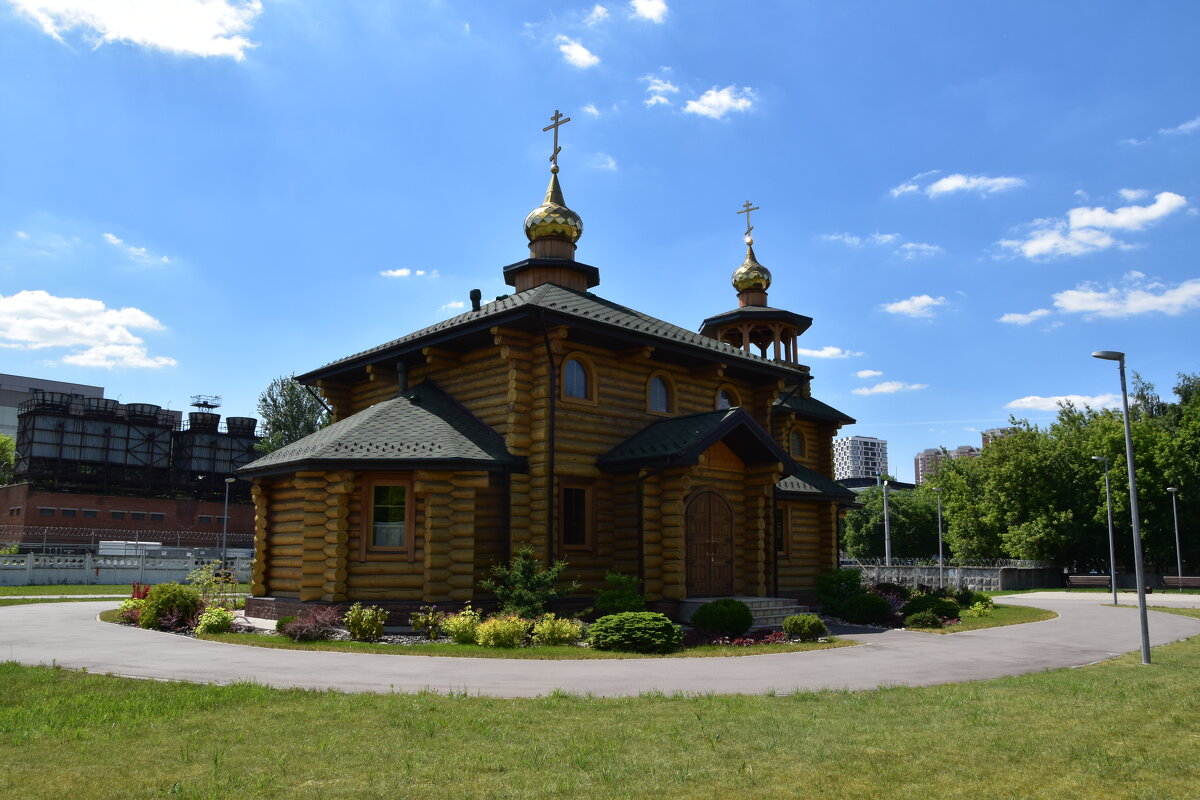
197,197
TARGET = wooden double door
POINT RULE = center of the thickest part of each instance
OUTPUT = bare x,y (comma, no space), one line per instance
709,548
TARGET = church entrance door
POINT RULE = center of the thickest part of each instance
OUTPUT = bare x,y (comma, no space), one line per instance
709,546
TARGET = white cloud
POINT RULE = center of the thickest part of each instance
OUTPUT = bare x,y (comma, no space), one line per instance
403,272
575,53
658,89
904,188
1127,301
844,238
828,351
100,336
1191,126
911,250
453,305
653,10
591,109
1085,229
920,305
868,373
184,27
971,183
1037,403
138,254
22,235
1126,194
890,387
884,238
598,14
604,161
716,103
1024,319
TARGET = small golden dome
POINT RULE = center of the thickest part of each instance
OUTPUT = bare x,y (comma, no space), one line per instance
552,218
751,274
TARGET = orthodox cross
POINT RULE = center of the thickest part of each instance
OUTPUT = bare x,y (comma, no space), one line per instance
746,209
557,120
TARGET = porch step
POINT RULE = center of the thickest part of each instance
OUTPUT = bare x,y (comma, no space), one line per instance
769,612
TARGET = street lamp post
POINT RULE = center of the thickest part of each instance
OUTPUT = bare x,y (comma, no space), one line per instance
1139,574
887,529
225,521
1112,548
941,563
1178,553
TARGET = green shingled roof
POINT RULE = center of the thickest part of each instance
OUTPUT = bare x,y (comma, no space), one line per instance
811,407
681,440
423,428
804,481
565,306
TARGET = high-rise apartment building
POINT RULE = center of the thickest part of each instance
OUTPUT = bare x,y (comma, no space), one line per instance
859,457
926,462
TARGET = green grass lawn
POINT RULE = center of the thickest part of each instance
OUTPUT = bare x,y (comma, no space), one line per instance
1001,615
113,589
21,601
1116,729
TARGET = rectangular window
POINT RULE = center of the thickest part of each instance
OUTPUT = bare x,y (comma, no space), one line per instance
91,513
575,517
117,514
204,519
67,512
389,506
15,511
137,515
157,516
46,512
781,532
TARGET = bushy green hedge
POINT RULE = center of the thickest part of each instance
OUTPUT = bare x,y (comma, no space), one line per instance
636,632
621,595
726,616
461,627
864,609
171,606
942,606
364,624
503,630
551,630
923,619
835,586
805,627
215,619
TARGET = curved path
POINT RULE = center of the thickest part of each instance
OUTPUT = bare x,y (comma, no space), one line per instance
1086,631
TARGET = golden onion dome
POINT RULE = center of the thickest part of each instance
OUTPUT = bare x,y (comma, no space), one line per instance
751,274
552,218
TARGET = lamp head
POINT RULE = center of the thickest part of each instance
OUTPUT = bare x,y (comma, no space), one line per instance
1100,458
231,480
1172,489
937,489
1109,355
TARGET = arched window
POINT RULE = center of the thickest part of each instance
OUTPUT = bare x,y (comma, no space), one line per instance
658,395
727,398
577,382
797,443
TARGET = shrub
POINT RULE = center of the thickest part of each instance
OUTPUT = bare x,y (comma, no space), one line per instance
169,606
864,609
622,595
725,616
364,624
923,619
884,587
834,587
805,627
551,630
214,583
942,606
523,587
461,627
428,619
969,597
283,622
503,630
215,619
140,590
977,610
129,610
315,624
635,632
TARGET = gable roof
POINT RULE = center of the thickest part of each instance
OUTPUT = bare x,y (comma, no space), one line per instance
811,407
424,427
804,483
681,440
559,306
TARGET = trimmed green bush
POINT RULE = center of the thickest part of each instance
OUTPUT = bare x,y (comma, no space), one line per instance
977,610
635,632
923,619
170,606
364,624
969,597
835,586
552,630
505,630
725,616
462,627
215,619
883,587
622,595
283,622
864,609
130,610
944,607
805,627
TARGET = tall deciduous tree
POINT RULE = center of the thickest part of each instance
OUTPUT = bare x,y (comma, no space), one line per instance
289,412
8,458
913,523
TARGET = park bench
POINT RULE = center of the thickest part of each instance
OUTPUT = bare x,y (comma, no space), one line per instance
1181,581
1088,581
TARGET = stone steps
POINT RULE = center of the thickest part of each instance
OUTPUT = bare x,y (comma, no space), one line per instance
769,612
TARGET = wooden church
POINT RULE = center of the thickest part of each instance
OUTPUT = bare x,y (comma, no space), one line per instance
553,418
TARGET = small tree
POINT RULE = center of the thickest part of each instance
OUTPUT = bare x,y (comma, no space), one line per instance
524,587
8,458
289,412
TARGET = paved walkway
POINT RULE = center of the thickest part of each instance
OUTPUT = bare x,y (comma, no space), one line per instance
1085,632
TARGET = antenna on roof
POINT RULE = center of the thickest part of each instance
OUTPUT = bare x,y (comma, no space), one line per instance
206,401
